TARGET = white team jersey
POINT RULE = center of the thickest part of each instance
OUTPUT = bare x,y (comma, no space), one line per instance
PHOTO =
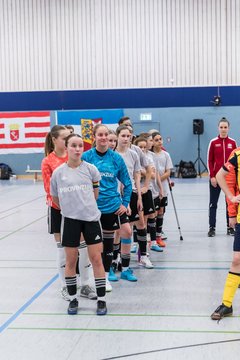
164,163
74,188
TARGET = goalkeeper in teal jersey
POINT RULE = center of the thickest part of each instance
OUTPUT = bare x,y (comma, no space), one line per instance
111,203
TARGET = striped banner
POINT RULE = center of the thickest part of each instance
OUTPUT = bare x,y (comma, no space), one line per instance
23,132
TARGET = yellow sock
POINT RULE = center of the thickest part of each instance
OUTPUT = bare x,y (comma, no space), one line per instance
230,289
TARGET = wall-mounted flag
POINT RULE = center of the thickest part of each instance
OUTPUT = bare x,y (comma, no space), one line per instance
87,131
23,132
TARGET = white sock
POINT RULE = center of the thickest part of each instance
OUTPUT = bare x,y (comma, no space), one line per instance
61,262
85,267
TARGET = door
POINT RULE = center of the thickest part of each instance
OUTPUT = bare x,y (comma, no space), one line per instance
145,126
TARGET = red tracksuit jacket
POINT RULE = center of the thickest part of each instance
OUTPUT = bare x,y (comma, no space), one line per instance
219,150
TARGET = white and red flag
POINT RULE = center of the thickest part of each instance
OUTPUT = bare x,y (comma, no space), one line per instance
23,132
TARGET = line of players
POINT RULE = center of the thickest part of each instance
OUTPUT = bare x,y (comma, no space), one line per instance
129,180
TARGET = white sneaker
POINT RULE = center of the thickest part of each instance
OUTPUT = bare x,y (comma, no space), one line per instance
88,292
108,286
163,236
64,293
145,261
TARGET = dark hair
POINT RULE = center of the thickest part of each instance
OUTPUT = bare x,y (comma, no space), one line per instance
122,127
139,139
223,119
71,136
124,118
53,133
70,127
155,134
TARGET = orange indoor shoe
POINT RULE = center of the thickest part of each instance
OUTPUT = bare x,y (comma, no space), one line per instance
160,242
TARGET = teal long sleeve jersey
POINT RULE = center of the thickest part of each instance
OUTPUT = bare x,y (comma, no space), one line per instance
112,168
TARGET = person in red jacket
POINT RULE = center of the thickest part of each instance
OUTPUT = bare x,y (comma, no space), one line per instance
219,151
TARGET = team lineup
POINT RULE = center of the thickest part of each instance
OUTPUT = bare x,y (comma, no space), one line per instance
109,202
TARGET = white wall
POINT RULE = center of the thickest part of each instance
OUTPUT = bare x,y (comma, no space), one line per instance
86,44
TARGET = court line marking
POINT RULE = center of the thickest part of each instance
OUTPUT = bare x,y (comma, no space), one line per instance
172,348
126,330
26,202
27,260
181,268
158,261
132,267
122,315
29,267
4,217
21,228
27,304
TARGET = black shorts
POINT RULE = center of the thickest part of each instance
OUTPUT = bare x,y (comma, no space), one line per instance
54,220
157,203
133,206
236,243
72,230
148,203
110,222
164,202
124,219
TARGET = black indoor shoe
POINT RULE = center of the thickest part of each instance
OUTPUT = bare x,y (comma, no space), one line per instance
101,307
73,307
211,232
221,312
230,231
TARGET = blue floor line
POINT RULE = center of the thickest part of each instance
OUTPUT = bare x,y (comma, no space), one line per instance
27,304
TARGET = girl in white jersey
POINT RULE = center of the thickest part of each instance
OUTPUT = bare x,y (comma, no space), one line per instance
134,168
112,139
122,238
74,188
164,167
56,155
155,187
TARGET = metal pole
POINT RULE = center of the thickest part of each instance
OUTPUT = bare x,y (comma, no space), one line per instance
175,210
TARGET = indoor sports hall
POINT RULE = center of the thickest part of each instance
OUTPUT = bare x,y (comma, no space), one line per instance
164,315
167,71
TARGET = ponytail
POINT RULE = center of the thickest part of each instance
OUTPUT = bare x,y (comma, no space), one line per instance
54,133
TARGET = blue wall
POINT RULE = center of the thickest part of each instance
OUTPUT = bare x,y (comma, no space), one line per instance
176,125
174,108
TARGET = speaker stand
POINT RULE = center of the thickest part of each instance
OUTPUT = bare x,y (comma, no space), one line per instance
199,160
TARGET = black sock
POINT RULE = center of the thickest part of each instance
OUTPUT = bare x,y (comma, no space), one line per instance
100,284
107,257
159,224
152,229
71,283
116,250
125,261
135,234
142,241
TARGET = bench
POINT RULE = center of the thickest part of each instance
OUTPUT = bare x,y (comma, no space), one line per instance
35,172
